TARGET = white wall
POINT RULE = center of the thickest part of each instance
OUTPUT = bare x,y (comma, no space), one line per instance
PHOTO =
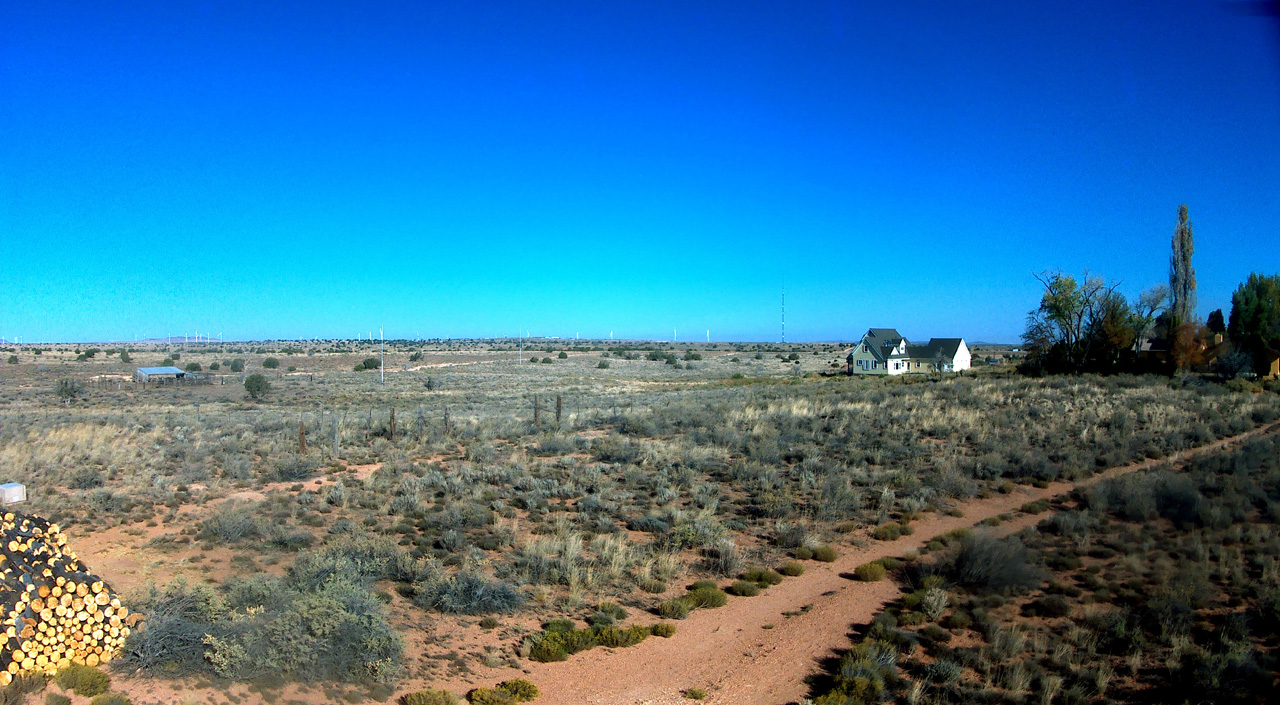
963,358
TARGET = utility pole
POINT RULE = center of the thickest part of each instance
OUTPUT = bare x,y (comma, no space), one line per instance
784,310
382,361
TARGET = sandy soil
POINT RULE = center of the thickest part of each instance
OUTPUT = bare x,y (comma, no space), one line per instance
753,651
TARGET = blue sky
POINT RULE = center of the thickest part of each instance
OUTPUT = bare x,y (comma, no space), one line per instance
476,169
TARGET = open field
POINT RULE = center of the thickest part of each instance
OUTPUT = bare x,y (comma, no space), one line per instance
432,529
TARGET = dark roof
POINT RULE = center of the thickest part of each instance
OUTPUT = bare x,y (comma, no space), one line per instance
883,334
948,347
881,341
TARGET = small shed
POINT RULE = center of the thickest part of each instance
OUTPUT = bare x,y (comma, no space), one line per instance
158,374
13,492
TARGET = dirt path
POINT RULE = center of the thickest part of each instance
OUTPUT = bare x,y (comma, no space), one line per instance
749,652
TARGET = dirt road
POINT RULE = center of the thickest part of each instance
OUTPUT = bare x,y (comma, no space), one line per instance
748,652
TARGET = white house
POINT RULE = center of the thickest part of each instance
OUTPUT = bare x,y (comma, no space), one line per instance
883,351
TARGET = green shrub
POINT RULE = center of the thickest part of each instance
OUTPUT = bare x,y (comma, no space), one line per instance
826,554
743,588
1048,606
84,680
56,699
996,564
270,363
912,619
870,572
889,563
707,596
110,699
666,630
943,671
803,553
602,365
612,609
548,650
559,625
616,637
1037,507
700,584
521,690
792,569
695,693
931,581
256,386
887,532
934,633
429,697
677,608
653,586
468,593
559,645
489,696
203,630
764,577
601,619
959,620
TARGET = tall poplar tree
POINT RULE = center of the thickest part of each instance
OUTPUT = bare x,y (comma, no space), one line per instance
1182,277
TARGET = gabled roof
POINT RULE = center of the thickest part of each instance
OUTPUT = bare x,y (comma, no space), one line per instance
883,334
948,347
161,371
881,342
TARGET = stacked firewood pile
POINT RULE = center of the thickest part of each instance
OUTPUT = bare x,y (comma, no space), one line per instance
55,611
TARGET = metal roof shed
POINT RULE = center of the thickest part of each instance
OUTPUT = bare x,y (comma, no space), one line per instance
149,374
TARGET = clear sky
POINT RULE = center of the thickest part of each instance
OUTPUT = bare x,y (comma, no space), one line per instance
451,169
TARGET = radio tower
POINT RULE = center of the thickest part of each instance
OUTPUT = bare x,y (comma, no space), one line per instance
784,310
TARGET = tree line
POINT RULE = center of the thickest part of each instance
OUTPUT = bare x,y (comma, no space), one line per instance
1087,325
